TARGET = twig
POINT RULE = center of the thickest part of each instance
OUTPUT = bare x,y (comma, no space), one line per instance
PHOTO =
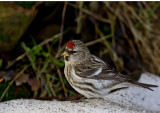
98,40
87,44
50,85
149,9
63,86
41,44
53,92
79,18
59,53
62,25
20,73
30,59
90,13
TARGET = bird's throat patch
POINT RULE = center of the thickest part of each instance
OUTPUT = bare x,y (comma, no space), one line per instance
67,58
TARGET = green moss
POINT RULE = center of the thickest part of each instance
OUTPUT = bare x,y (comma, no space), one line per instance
23,92
14,92
9,94
27,5
4,38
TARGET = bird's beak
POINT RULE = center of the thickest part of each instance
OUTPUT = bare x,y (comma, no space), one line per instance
65,54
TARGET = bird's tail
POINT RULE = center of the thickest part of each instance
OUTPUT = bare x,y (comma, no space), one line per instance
144,85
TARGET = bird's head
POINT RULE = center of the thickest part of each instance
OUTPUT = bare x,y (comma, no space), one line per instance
76,52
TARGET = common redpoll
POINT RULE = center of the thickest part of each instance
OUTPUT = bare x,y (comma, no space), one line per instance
91,76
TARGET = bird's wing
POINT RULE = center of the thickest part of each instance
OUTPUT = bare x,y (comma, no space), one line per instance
97,69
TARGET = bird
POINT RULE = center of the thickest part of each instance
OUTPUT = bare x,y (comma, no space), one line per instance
90,75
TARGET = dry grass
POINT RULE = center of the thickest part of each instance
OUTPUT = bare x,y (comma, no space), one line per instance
127,32
138,18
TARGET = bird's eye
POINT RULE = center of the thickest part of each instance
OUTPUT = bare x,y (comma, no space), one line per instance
74,51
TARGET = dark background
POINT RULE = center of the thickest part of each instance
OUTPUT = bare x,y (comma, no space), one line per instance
34,34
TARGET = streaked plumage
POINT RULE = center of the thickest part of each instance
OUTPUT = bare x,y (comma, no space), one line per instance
91,76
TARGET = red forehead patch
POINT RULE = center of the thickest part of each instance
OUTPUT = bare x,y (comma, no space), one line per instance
70,45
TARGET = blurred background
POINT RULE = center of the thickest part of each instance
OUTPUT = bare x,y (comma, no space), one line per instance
34,34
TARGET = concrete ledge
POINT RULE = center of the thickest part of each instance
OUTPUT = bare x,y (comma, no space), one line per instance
130,100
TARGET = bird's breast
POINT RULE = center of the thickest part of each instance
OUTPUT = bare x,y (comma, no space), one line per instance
70,74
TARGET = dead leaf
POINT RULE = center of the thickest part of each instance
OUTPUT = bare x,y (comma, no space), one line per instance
22,79
33,82
1,80
7,75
